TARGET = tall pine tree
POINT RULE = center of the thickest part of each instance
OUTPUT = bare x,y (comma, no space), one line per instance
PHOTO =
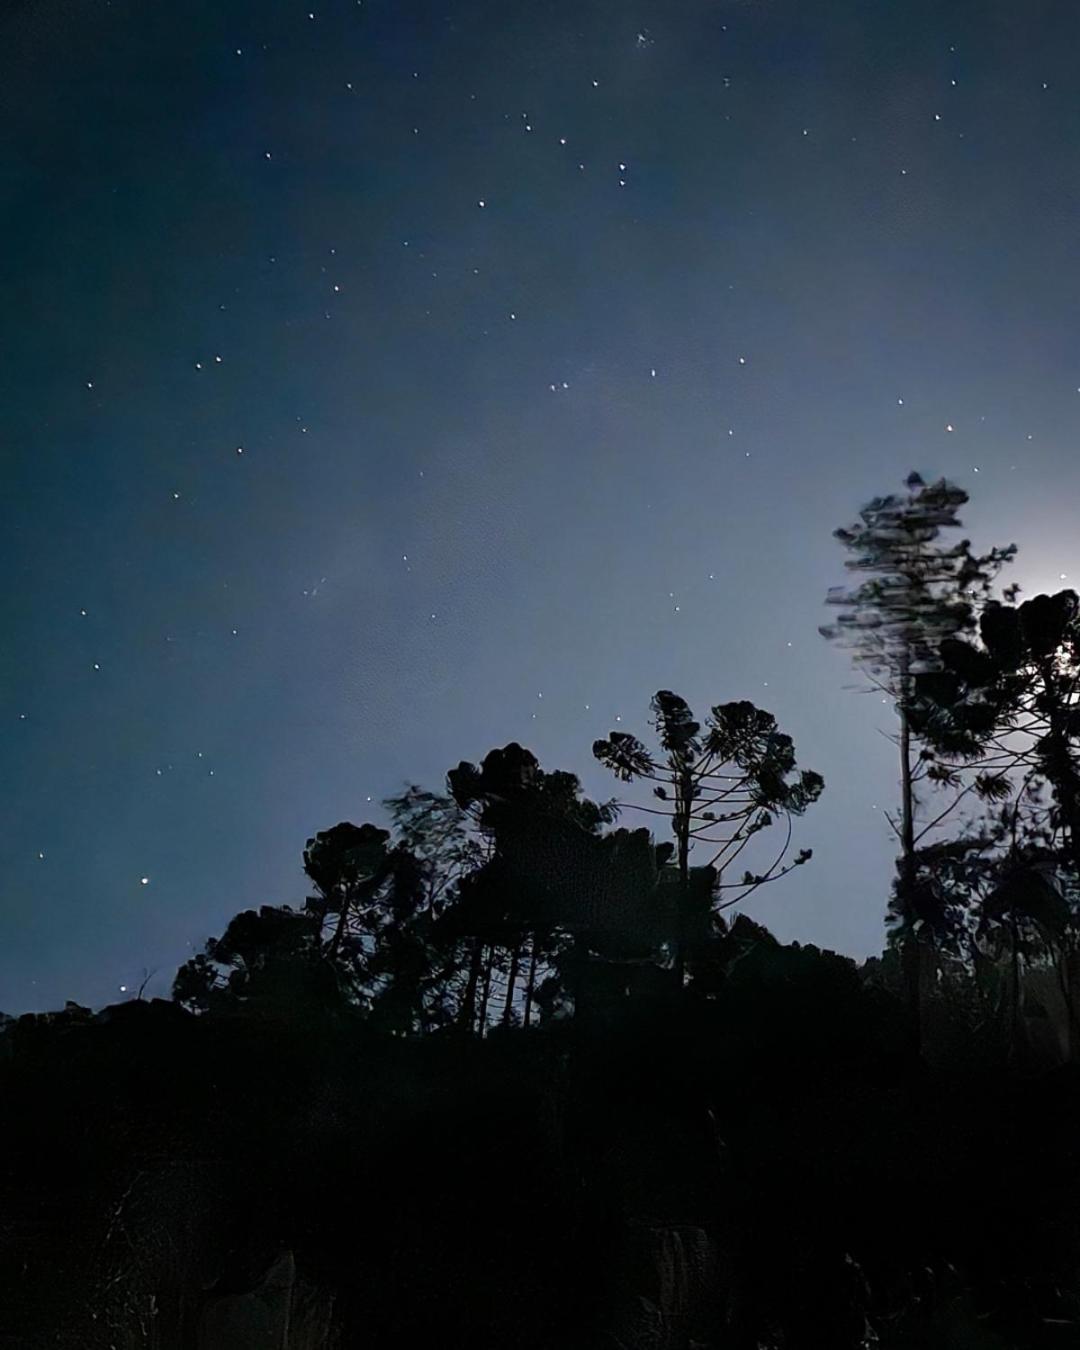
918,591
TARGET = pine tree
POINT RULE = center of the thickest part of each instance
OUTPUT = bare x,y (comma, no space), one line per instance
734,778
918,592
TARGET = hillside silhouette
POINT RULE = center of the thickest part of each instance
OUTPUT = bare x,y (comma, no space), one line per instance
517,1072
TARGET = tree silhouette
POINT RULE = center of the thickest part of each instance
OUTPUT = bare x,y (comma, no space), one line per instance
633,1175
268,958
440,834
918,593
444,840
516,904
1006,702
362,941
733,778
349,864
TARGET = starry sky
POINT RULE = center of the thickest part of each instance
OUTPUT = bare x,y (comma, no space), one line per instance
387,381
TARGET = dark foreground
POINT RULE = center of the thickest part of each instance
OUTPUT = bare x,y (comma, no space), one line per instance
772,1167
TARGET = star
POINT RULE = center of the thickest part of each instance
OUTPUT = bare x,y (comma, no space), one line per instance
144,881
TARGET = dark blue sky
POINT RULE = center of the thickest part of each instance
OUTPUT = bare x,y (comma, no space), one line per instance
557,339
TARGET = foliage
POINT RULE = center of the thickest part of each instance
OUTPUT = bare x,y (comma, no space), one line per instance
734,777
478,1028
268,957
362,942
919,596
1007,700
918,592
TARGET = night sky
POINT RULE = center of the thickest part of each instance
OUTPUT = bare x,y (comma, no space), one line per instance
385,382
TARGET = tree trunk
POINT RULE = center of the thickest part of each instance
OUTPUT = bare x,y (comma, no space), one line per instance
1014,936
911,953
467,1015
684,805
486,994
339,930
530,983
1072,984
511,982
579,978
1059,762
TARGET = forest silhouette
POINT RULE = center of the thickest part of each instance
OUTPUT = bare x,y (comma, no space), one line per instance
516,1073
